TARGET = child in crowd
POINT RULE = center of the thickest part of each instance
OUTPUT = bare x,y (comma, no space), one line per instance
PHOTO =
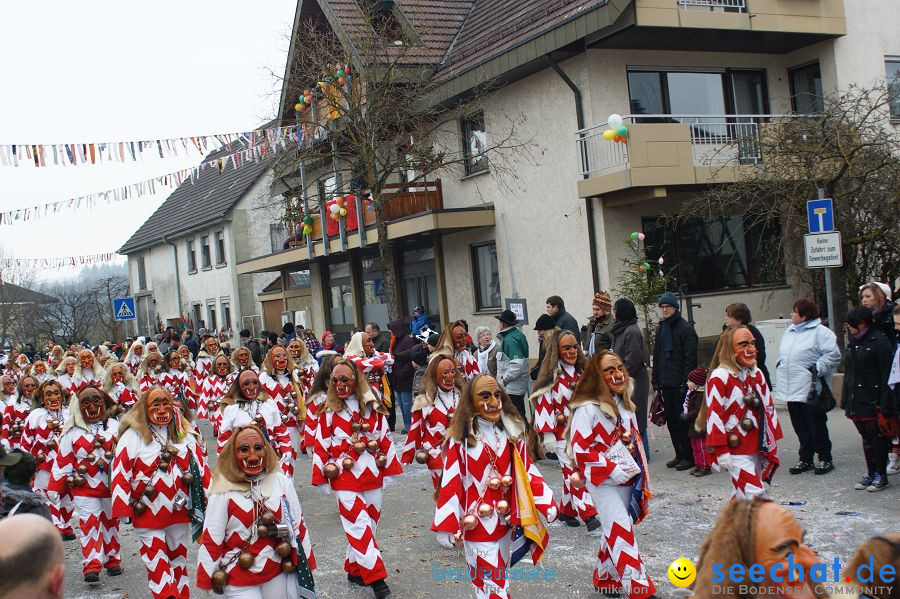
693,402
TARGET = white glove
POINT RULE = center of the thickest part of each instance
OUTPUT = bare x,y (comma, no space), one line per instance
619,476
446,539
323,490
549,443
725,462
552,514
53,496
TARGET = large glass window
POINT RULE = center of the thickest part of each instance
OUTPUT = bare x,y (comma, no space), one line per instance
487,276
298,279
892,68
374,307
697,93
420,280
211,314
226,314
341,297
278,234
474,143
806,89
717,254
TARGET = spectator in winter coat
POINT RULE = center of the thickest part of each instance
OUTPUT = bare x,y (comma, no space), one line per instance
739,314
487,351
543,325
512,361
253,345
190,340
628,344
595,334
556,308
404,350
808,353
877,298
866,397
894,384
419,320
289,332
17,496
380,339
674,356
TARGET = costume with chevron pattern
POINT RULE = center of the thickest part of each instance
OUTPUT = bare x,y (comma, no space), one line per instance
93,500
164,528
243,412
314,404
374,368
14,413
594,429
430,419
359,488
123,395
42,441
280,386
548,404
755,429
211,391
468,470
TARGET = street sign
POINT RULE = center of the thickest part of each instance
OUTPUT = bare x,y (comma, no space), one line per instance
823,250
820,214
123,308
519,307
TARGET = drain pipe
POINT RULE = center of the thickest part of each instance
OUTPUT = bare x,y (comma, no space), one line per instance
588,203
177,276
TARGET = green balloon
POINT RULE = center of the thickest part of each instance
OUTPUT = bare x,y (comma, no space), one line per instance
646,266
634,236
622,131
307,220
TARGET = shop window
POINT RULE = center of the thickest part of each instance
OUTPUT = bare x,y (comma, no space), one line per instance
486,276
717,254
806,89
474,143
374,298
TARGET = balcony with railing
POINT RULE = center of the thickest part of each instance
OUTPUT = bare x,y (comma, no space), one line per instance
667,149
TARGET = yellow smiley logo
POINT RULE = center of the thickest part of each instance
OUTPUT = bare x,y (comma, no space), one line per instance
682,572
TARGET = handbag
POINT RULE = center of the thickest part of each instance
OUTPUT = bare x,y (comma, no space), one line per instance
619,455
822,399
657,409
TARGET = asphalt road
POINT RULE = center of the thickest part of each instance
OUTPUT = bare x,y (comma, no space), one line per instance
837,519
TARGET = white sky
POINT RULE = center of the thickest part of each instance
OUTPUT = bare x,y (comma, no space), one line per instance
100,70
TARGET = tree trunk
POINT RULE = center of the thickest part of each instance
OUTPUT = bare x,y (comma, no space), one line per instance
386,254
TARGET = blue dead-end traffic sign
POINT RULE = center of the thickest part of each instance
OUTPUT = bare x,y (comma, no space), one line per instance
820,214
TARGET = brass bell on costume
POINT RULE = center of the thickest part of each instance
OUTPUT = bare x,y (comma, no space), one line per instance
51,444
218,580
246,560
359,447
372,445
139,507
70,481
79,480
262,530
506,481
364,426
751,400
347,463
733,439
354,427
283,549
107,455
747,424
331,471
493,483
97,444
502,507
82,469
561,419
150,492
422,456
381,461
267,518
187,478
287,567
469,522
576,480
485,510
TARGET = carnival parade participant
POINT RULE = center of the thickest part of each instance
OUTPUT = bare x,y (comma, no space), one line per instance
564,362
316,396
213,388
82,468
158,480
489,486
9,389
16,412
15,366
40,372
88,372
119,385
65,374
605,443
255,542
455,338
56,357
242,359
306,368
134,357
278,379
246,403
355,456
741,426
150,373
189,368
177,381
374,365
40,438
205,358
432,411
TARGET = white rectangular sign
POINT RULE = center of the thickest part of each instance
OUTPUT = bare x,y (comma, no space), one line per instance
823,250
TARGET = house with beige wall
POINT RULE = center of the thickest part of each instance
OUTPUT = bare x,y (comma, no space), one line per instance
685,74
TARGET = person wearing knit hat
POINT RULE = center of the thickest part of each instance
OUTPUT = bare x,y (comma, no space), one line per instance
595,334
694,405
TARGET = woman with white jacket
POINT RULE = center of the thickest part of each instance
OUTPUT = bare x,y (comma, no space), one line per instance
807,353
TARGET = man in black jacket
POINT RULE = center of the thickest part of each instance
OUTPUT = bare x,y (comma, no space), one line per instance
556,308
674,356
403,369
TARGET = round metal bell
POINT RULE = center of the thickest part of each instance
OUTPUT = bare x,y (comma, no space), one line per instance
626,437
331,471
485,510
219,579
347,463
503,507
150,492
51,444
262,530
258,418
506,481
422,456
70,481
97,444
364,426
733,439
381,461
576,480
283,549
372,445
359,447
40,457
746,424
287,567
246,559
493,483
82,469
107,455
187,478
355,426
79,480
561,419
267,518
139,507
295,410
469,522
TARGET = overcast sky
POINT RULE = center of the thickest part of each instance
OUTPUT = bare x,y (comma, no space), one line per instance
100,70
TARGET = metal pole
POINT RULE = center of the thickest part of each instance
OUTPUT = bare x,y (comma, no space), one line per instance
512,274
829,302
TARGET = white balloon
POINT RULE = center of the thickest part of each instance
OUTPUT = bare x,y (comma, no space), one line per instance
334,208
615,121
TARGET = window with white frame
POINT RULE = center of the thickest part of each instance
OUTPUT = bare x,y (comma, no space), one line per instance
892,68
211,322
474,143
487,276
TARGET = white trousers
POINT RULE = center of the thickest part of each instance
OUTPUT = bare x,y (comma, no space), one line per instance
283,586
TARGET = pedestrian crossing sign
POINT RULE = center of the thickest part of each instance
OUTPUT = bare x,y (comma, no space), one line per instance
123,308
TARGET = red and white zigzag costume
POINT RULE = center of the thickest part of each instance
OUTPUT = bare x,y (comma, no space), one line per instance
373,367
468,470
42,441
754,457
14,414
93,500
285,391
550,402
359,490
164,528
244,412
132,360
83,378
314,404
430,419
211,391
467,364
230,526
178,383
593,430
148,379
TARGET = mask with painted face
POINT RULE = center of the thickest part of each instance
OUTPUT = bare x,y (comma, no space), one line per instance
212,346
250,452
40,368
446,374
153,364
777,535
117,375
29,385
243,357
460,342
367,345
9,387
248,385
296,349
138,349
614,373
52,397
343,381
92,404
70,367
86,359
175,362
221,366
488,398
744,346
280,359
185,354
568,349
160,409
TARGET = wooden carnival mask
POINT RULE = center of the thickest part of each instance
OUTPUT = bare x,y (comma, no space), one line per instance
614,373
250,452
117,374
488,398
52,397
243,357
343,381
279,359
86,359
778,535
92,405
160,409
296,349
458,335
568,349
212,346
446,374
248,384
70,365
28,384
367,345
221,366
744,346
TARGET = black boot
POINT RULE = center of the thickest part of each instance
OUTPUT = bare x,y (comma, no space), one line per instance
569,520
114,571
357,580
381,589
592,523
91,577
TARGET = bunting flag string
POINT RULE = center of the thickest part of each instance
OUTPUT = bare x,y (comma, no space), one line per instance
58,263
253,152
78,154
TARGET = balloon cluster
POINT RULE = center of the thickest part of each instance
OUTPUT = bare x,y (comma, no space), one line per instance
645,266
339,207
342,75
617,131
307,225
